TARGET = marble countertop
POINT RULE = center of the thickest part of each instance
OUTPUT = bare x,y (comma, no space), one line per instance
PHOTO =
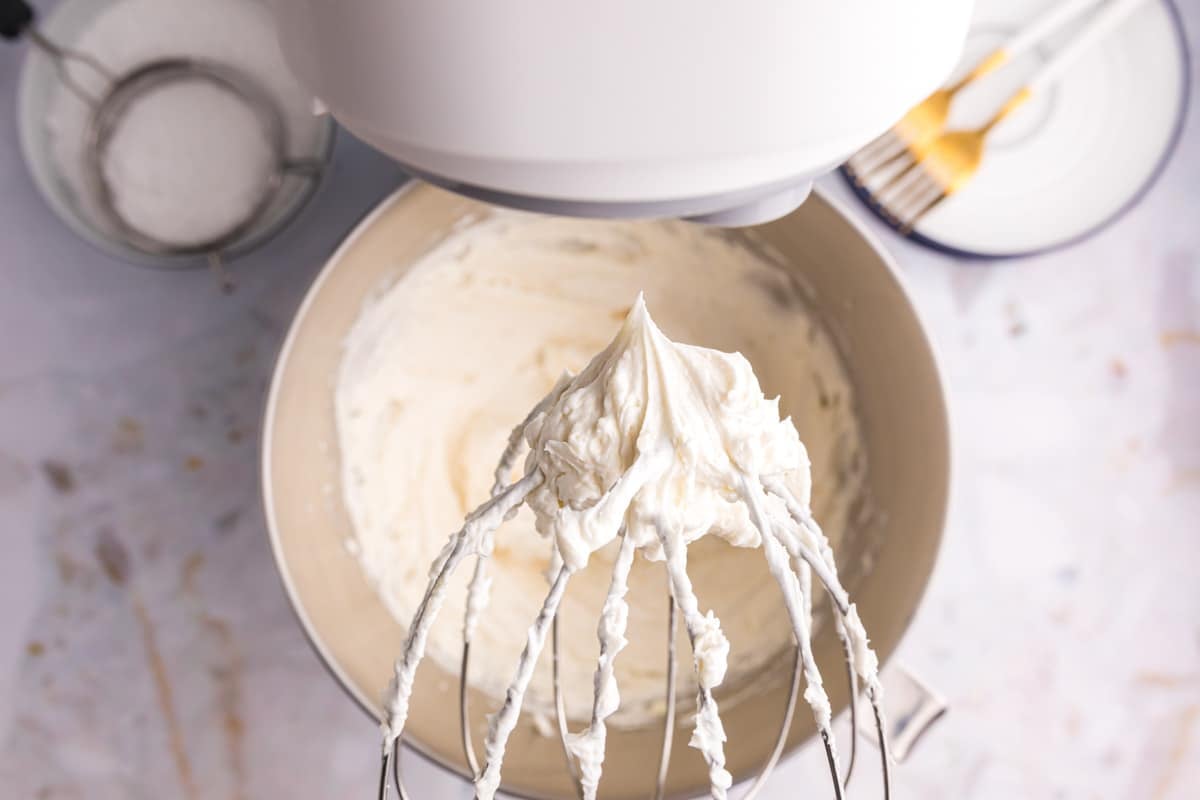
147,649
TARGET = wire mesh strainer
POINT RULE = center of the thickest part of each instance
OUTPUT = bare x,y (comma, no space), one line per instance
118,93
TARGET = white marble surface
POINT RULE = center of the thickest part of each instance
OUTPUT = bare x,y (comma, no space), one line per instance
147,650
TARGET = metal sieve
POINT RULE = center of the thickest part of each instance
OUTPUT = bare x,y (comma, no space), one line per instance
120,92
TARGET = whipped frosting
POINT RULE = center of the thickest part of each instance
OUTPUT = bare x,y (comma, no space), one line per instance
653,439
649,443
653,436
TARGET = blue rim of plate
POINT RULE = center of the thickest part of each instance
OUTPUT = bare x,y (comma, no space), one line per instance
1151,179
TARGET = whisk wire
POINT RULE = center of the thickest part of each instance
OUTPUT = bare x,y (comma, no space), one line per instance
839,599
390,767
560,711
706,704
794,595
664,760
505,720
465,713
881,732
852,683
785,727
831,757
796,549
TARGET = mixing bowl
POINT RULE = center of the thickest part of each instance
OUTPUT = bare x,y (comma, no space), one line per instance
888,554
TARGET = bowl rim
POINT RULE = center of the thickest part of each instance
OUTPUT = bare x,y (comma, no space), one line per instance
357,231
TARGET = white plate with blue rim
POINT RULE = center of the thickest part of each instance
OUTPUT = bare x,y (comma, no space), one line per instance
1077,156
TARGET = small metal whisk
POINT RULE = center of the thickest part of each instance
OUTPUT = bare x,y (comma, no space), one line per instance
796,550
118,93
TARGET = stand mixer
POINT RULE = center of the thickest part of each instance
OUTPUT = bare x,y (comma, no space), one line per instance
722,113
718,114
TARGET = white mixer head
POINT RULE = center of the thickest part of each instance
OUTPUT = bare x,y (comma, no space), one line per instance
723,112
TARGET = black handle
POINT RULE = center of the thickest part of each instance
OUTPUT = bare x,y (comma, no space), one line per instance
15,17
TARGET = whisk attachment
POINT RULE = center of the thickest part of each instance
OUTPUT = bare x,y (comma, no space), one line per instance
796,553
777,544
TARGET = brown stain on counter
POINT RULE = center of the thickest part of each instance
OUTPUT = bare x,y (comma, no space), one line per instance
113,556
1184,478
190,570
228,679
1182,744
166,699
226,673
1165,680
68,568
59,475
128,437
1179,336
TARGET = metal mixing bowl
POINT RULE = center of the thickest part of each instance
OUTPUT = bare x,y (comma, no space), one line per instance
889,554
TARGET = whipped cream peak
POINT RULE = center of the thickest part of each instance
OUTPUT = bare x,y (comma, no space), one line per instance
653,435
